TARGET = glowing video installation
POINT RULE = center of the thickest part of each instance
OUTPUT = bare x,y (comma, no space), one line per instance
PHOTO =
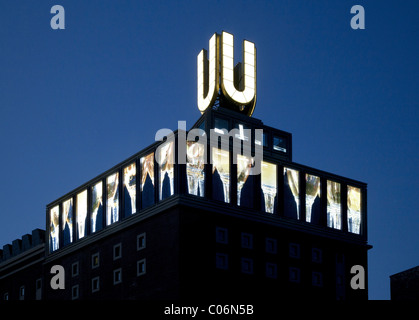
130,189
166,170
147,180
313,210
354,210
97,207
269,187
54,228
291,193
334,211
81,214
67,221
112,200
195,166
220,175
245,181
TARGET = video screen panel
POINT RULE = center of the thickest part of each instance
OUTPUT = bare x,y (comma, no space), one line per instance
112,198
245,181
354,210
313,199
81,214
147,180
291,193
67,221
130,189
334,210
166,170
54,228
96,220
269,187
195,168
220,160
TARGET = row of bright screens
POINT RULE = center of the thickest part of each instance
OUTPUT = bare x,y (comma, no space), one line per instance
196,186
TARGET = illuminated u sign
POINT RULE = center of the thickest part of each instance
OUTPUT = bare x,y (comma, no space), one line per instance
238,83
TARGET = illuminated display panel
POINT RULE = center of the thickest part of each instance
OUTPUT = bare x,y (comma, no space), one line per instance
245,181
130,189
112,199
195,168
54,228
354,210
291,193
67,223
166,170
97,207
334,211
147,180
313,210
269,186
220,160
81,214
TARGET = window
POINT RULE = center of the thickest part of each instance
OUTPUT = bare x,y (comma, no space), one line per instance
316,255
280,144
147,180
354,210
166,161
271,245
271,270
22,293
269,187
245,181
117,251
96,217
220,175
54,228
313,199
141,267
247,265
294,250
75,269
220,124
291,193
6,296
221,235
294,274
141,241
333,205
38,284
117,276
195,167
95,260
112,199
317,279
81,214
247,240
221,261
75,292
95,284
67,221
130,189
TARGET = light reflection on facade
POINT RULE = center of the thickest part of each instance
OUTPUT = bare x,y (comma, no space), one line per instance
312,198
54,228
245,181
166,172
97,207
147,180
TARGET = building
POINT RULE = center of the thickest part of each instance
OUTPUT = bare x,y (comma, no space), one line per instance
217,212
405,285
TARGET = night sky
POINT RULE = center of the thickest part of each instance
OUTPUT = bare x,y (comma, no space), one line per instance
76,102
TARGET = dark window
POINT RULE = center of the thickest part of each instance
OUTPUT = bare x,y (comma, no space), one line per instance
271,245
117,251
294,274
271,270
294,250
221,235
141,267
247,240
141,243
221,261
247,265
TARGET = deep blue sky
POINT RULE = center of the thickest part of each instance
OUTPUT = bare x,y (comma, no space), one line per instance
75,102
